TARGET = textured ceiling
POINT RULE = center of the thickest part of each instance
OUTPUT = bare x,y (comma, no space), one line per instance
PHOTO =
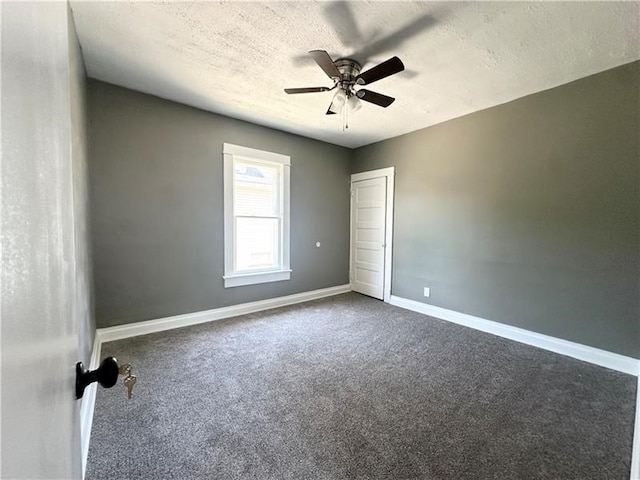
235,58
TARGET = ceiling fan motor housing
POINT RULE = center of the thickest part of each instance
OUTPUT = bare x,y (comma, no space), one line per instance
349,70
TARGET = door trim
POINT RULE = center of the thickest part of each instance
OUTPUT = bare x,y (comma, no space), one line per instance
389,173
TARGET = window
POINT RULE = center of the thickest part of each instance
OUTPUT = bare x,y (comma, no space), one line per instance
256,216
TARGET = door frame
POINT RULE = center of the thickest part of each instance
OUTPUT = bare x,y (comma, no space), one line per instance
389,173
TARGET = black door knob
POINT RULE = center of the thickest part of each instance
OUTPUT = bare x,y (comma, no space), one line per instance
106,375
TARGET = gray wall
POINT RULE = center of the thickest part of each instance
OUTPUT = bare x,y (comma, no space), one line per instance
527,213
157,214
83,305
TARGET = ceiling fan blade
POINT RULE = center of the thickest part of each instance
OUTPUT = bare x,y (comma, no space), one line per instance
306,90
374,97
391,66
329,112
323,59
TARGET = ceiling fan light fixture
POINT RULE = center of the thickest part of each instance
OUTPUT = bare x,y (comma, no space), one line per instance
339,99
354,104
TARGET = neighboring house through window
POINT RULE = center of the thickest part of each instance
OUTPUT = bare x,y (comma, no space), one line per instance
256,216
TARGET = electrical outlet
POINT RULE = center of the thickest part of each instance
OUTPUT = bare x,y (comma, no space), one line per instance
427,292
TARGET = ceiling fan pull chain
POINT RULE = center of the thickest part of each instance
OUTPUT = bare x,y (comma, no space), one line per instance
345,110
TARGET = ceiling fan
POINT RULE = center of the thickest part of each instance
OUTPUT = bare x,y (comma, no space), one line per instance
346,75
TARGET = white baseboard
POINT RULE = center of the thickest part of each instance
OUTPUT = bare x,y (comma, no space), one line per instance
635,452
88,404
151,326
585,353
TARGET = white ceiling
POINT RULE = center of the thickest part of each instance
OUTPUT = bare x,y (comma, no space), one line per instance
235,58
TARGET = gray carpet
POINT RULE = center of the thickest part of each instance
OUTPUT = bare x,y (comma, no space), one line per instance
351,388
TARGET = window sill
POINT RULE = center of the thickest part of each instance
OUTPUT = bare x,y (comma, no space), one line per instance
254,278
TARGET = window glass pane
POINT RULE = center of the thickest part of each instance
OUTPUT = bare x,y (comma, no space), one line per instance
257,243
256,190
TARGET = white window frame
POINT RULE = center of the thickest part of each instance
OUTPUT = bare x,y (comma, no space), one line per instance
231,277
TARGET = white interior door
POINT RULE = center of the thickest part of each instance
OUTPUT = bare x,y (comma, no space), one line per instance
40,415
368,233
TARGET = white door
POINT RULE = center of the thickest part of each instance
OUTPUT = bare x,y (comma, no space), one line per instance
40,415
368,233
